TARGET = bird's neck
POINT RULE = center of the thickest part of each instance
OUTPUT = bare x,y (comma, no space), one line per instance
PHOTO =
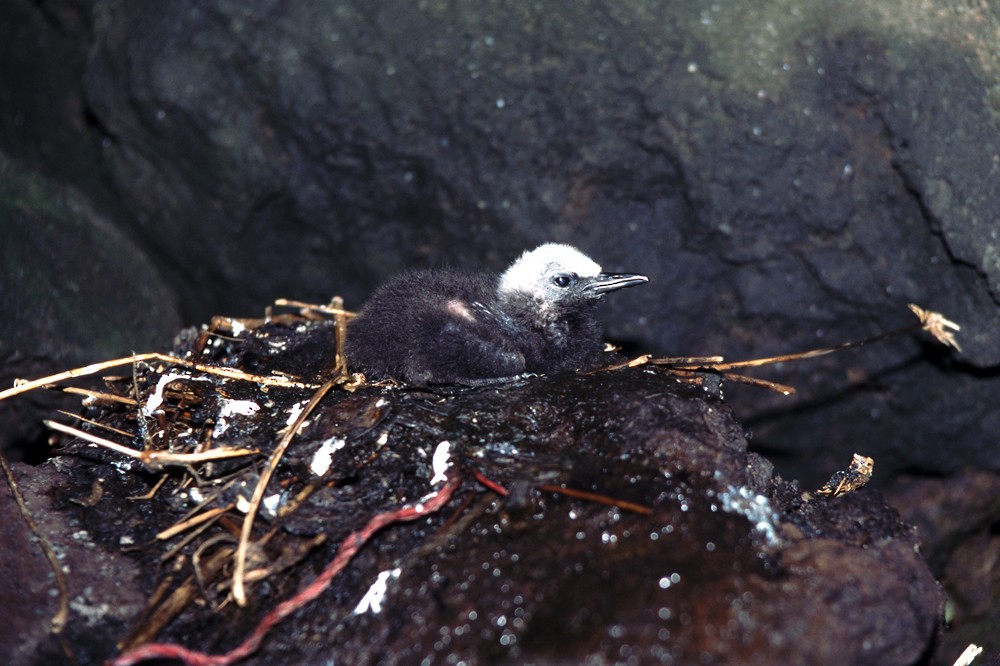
552,320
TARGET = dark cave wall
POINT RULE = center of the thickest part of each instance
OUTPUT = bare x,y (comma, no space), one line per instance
788,175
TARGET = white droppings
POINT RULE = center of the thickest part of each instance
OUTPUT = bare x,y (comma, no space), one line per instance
293,413
372,601
271,504
244,407
237,327
441,461
231,408
383,438
156,397
323,458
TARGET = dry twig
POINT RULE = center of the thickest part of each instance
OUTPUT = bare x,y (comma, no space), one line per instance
154,460
239,574
933,322
228,373
336,306
348,548
177,528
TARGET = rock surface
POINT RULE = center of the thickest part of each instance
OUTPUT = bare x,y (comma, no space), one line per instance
956,519
688,547
75,289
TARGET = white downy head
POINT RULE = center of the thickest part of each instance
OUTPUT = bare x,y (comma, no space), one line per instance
547,273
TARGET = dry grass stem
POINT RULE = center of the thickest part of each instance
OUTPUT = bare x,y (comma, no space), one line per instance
933,322
239,573
691,362
97,395
340,330
152,492
783,389
152,459
192,522
228,373
191,536
336,307
96,424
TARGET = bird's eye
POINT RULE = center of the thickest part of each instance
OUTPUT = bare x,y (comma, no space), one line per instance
562,281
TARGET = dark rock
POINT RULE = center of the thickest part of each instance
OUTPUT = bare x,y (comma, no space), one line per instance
687,548
106,588
946,511
26,585
957,519
762,163
44,122
75,291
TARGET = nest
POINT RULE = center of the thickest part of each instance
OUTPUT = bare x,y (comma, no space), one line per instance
242,520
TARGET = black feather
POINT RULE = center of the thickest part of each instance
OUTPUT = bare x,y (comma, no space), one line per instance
455,327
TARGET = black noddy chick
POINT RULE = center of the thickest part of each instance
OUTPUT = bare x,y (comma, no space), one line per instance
454,327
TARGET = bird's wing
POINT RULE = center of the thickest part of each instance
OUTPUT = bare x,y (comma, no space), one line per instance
495,317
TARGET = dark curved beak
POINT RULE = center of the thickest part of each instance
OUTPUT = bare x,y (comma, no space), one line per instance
605,282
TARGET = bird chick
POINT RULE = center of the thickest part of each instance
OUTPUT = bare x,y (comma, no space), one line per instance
456,327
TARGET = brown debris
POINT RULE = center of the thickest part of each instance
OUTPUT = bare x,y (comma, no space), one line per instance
853,478
936,324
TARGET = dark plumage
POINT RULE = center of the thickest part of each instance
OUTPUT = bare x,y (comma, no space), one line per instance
446,326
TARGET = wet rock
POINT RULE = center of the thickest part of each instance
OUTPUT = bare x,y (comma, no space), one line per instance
635,527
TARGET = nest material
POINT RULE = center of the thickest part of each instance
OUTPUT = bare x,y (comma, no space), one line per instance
203,439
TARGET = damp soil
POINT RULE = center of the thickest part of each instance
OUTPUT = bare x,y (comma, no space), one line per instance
611,517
